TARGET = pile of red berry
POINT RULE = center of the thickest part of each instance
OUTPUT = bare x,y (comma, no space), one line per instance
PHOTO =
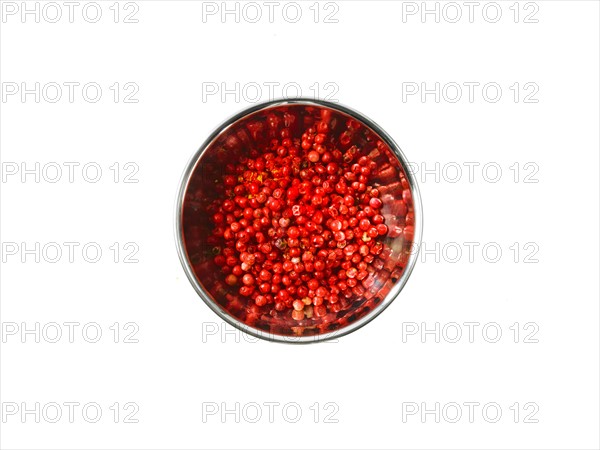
299,229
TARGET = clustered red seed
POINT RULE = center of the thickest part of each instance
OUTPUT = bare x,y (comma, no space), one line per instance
300,225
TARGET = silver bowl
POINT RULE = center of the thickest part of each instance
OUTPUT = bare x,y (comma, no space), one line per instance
192,227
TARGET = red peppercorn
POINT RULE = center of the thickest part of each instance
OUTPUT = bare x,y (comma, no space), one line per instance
313,156
382,229
298,305
246,291
231,280
375,203
297,315
248,279
293,232
364,224
318,241
335,225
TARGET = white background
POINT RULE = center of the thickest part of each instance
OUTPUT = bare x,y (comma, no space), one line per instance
372,374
